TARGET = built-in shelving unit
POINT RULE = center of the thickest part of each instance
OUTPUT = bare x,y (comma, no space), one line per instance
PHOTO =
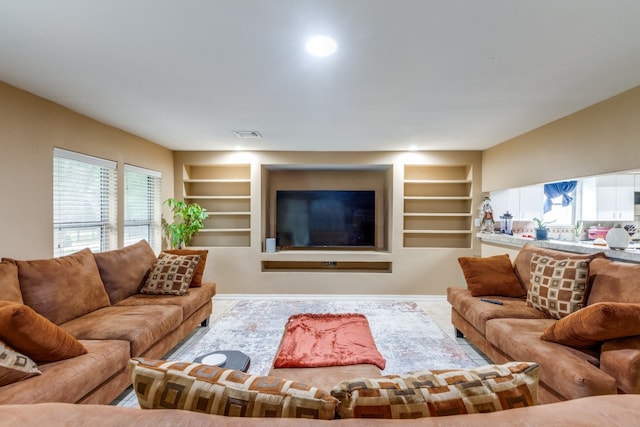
437,206
225,192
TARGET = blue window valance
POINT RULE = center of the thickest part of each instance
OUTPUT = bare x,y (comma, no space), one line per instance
557,189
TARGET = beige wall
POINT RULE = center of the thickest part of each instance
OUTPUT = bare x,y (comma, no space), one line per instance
603,138
29,129
427,271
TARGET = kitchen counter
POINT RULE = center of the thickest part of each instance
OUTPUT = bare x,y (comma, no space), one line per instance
631,254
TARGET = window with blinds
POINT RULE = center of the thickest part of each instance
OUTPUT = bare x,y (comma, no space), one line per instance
142,206
84,203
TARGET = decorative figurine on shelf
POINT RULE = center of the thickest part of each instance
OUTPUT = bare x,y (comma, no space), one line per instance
487,224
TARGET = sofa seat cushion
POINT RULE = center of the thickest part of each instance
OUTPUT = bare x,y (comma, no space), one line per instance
124,270
70,379
190,302
478,312
142,326
620,358
62,288
571,372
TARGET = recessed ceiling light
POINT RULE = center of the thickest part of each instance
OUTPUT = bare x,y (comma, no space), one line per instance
321,46
247,134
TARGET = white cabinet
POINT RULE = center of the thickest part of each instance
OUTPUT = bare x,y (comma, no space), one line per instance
608,198
524,203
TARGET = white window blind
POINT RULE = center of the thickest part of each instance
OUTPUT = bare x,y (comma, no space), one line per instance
84,203
142,206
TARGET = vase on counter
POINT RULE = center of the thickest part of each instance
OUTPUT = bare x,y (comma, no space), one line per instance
542,233
617,238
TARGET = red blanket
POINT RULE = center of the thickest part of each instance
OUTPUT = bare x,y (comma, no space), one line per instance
313,340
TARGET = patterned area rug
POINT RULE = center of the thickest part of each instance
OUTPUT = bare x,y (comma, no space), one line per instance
405,335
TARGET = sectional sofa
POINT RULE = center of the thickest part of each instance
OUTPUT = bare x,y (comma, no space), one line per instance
588,346
83,317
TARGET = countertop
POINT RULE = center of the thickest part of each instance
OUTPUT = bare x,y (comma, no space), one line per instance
631,254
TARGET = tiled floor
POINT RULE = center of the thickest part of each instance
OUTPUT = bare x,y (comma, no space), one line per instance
437,307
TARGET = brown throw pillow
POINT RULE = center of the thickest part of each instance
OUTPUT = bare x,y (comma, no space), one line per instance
558,287
491,276
171,275
213,390
123,271
14,366
9,284
595,324
62,289
38,338
196,281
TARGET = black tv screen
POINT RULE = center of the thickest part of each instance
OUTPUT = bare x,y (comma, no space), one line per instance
325,218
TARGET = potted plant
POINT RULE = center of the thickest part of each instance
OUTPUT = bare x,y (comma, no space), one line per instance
188,219
542,228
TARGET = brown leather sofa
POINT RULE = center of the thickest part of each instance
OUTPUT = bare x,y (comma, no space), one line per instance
95,298
598,411
512,331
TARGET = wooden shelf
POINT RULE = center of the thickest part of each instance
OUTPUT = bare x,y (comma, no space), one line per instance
437,206
225,192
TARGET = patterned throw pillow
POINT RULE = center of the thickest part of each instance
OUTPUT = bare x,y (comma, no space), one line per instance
213,390
438,393
558,287
198,274
171,275
14,366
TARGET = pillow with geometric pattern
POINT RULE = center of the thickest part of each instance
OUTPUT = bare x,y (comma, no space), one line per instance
14,366
171,275
204,388
434,393
558,286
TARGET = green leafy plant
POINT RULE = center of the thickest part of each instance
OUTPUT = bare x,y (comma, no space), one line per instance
542,225
188,219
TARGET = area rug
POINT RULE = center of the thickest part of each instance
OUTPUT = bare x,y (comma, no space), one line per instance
312,340
405,335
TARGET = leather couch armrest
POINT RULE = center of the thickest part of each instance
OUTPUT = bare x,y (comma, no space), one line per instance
620,358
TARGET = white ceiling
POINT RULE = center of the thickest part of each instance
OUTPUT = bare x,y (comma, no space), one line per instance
437,74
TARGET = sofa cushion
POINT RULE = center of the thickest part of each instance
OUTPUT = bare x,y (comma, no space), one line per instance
141,326
570,372
190,302
199,272
478,312
9,283
613,281
620,358
31,334
203,388
15,366
491,276
522,262
62,288
440,392
171,275
123,271
70,380
594,324
558,287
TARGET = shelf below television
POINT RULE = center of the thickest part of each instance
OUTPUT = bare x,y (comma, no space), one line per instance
327,266
327,255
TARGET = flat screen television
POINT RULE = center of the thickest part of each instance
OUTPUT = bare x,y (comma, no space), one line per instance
325,218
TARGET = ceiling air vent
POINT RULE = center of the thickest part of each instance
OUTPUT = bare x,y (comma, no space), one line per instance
247,134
